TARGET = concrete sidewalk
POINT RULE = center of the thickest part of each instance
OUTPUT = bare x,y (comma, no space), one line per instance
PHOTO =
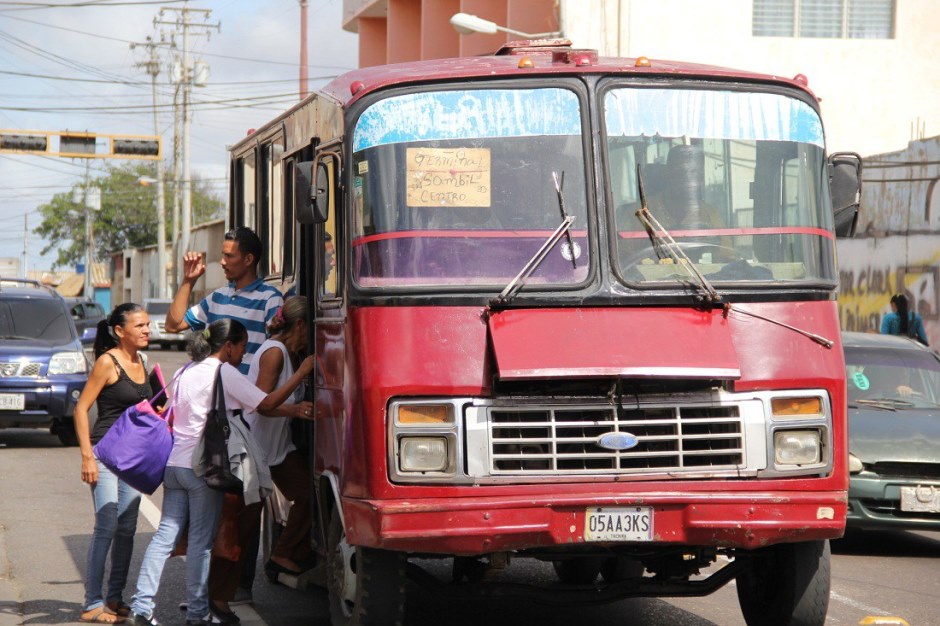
10,608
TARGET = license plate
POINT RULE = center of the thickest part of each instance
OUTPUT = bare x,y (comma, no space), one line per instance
12,402
924,499
634,523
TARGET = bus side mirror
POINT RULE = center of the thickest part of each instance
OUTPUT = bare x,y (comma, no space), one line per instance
845,188
306,194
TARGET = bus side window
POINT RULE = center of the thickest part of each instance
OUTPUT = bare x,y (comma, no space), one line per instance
327,279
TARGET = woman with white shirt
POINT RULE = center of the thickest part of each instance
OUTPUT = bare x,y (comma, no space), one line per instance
272,367
218,348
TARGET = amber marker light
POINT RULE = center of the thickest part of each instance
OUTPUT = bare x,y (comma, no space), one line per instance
426,414
796,407
526,62
642,62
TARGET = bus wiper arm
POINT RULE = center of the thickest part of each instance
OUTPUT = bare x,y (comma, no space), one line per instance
516,283
662,240
559,184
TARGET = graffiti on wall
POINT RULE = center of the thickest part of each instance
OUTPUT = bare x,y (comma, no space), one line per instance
866,285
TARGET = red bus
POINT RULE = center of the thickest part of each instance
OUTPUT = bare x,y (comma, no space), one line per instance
568,308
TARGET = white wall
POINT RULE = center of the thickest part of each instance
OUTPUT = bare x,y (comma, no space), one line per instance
872,90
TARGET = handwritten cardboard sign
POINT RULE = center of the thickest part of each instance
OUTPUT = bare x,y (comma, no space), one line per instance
448,177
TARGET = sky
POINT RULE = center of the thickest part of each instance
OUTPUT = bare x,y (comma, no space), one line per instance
68,64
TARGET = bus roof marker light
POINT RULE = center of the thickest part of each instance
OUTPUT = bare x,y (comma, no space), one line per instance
526,62
642,62
356,87
801,79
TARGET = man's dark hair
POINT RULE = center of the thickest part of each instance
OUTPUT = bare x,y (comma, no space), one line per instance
247,241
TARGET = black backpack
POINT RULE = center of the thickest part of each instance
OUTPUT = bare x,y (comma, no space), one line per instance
218,471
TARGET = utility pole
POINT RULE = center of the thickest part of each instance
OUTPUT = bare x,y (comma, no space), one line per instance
303,50
152,67
177,176
187,78
25,246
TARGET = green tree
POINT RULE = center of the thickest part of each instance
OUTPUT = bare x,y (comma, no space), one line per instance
128,215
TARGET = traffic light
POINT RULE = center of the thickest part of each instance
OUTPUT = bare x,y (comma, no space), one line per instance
135,147
80,145
23,142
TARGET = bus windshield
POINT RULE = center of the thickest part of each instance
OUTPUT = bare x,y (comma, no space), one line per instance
737,178
456,189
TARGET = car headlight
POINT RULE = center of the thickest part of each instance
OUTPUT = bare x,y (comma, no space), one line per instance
68,363
855,465
797,447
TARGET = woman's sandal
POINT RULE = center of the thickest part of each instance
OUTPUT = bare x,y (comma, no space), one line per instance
101,615
119,608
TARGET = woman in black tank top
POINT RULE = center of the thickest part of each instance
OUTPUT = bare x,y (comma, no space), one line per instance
117,381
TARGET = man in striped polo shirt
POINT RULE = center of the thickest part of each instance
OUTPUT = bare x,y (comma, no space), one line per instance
246,298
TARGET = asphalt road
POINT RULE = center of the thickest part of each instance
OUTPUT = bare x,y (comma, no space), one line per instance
46,519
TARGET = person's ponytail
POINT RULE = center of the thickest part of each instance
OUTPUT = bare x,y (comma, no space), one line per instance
900,301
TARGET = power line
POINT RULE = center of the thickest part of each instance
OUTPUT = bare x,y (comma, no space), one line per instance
208,54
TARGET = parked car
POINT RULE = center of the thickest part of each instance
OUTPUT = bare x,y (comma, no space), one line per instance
157,308
86,314
42,365
894,432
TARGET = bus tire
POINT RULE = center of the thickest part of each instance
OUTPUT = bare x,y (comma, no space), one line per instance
786,585
366,586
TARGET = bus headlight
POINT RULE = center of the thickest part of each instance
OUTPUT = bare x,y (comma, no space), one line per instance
423,440
797,447
423,454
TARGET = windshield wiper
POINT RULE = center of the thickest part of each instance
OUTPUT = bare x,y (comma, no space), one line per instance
17,337
559,184
664,243
563,230
878,404
662,240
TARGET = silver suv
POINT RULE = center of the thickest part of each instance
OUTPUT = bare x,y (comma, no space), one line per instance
157,310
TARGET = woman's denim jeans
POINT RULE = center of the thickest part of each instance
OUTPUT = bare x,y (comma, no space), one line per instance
116,505
185,498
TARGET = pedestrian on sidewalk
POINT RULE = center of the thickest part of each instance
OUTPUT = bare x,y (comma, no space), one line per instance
901,321
217,349
118,381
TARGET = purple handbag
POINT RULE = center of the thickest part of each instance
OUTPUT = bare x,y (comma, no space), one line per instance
138,444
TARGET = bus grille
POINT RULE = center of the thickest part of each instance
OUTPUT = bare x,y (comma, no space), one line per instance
564,440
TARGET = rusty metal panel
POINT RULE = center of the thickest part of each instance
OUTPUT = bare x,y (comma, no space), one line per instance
900,191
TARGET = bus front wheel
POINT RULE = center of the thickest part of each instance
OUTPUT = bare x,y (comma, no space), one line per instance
366,586
786,585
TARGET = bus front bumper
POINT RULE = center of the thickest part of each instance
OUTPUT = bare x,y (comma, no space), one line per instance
479,525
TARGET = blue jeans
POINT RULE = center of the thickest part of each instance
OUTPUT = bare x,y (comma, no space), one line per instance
185,498
116,505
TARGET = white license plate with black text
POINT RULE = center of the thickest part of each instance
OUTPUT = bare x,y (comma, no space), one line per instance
12,402
632,523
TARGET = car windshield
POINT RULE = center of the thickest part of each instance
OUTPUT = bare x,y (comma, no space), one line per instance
157,308
896,378
23,319
738,178
457,189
